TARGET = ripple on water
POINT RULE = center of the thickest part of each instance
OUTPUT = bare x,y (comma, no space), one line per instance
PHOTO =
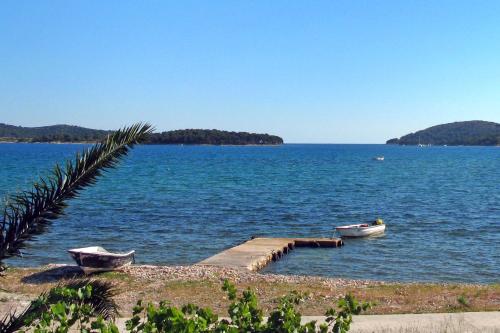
179,205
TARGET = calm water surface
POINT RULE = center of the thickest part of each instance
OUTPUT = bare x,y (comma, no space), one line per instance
181,204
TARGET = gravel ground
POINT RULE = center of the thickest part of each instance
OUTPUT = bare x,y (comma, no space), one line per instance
212,273
201,285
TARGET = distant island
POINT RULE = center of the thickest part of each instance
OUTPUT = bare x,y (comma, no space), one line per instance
463,133
77,134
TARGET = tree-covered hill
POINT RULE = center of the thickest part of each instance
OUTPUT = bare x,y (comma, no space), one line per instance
213,137
467,133
62,133
66,133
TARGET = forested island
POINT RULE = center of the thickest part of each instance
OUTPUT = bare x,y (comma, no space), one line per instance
464,133
213,137
77,134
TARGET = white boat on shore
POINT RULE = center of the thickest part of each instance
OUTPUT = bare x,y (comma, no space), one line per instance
362,230
97,259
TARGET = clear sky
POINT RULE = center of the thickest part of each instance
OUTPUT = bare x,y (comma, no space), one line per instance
309,71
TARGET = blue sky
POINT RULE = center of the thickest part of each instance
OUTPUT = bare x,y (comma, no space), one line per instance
310,71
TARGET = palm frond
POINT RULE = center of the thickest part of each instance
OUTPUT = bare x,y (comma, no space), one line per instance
28,213
100,300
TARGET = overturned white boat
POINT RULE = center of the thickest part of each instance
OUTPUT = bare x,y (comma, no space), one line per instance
362,230
97,259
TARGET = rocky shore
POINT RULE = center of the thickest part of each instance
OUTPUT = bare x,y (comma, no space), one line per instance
219,274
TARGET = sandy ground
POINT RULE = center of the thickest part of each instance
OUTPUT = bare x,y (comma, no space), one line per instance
201,285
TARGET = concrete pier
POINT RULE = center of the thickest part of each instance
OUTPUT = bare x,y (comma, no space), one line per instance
258,252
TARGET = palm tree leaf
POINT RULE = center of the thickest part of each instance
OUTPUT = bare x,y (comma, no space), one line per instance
100,300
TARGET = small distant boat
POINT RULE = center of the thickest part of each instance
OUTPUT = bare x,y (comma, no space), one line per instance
97,259
362,230
378,158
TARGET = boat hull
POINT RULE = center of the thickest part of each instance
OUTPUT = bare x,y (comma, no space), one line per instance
358,231
101,261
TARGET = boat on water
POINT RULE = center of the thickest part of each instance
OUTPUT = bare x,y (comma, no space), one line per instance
378,158
97,259
362,230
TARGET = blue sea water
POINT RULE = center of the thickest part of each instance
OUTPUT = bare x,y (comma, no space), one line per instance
181,204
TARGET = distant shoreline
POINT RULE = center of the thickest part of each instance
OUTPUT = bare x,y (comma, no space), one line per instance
249,145
148,144
462,133
77,134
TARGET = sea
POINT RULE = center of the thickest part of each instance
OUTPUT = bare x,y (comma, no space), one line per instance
177,205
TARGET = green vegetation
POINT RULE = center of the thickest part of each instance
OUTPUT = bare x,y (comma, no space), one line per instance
462,300
213,137
467,133
88,307
29,213
63,307
66,133
56,133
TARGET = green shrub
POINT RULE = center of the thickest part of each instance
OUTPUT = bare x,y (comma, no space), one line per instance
73,310
64,308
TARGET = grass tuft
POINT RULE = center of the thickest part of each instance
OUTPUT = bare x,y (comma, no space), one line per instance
462,300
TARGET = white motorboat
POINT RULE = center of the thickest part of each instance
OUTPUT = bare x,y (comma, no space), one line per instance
97,259
362,230
379,158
